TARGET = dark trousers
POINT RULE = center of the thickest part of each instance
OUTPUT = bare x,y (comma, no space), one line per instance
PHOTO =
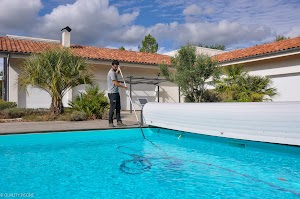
115,104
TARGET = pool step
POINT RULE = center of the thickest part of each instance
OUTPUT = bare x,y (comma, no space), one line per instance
237,144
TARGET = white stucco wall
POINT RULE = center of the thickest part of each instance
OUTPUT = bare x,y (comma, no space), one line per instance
287,87
13,71
284,73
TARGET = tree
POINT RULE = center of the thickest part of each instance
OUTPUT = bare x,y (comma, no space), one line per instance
56,71
237,85
216,46
149,44
280,38
122,48
191,72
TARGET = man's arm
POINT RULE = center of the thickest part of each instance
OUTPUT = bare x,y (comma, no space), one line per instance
116,83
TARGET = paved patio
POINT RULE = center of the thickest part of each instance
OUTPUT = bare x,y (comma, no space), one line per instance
26,127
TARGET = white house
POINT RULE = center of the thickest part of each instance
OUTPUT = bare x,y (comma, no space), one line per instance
199,50
278,60
14,50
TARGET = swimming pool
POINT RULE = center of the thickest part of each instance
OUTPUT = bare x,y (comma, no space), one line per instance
121,164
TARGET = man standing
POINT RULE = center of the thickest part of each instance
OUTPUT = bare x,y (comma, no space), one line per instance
113,94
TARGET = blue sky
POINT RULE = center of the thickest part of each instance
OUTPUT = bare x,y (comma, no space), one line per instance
115,23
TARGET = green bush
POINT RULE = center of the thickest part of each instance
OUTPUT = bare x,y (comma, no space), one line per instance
92,103
6,105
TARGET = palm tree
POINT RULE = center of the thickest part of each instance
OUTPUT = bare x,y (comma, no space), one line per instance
56,71
228,85
238,85
256,89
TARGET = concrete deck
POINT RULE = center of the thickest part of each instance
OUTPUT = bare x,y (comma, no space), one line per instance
129,119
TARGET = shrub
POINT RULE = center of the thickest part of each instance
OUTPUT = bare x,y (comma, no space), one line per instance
92,103
208,95
11,113
6,105
36,112
14,112
1,82
78,116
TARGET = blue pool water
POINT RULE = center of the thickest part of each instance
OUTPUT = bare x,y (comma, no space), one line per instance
121,164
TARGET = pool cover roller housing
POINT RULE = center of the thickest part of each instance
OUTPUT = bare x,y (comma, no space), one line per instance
273,122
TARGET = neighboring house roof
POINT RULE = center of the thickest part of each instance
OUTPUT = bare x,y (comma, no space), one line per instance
199,50
11,45
260,50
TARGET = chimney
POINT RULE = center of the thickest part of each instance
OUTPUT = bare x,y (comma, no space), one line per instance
66,37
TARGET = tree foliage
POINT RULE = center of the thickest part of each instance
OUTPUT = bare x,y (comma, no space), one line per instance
215,46
238,86
149,45
281,37
122,48
191,72
56,71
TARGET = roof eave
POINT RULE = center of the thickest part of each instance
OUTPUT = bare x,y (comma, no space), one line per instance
124,63
89,60
260,57
14,54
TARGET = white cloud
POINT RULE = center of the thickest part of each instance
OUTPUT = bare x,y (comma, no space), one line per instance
132,34
92,21
195,10
224,32
96,22
17,15
192,10
294,32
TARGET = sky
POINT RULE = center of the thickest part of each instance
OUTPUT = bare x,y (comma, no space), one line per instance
173,23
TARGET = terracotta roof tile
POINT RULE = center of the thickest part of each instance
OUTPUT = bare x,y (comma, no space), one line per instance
29,46
260,50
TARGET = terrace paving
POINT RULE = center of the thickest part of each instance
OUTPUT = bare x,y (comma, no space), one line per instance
38,127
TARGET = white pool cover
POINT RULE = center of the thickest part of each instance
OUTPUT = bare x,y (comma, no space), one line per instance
274,122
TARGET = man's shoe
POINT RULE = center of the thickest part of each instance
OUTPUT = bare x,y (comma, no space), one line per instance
111,125
120,124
